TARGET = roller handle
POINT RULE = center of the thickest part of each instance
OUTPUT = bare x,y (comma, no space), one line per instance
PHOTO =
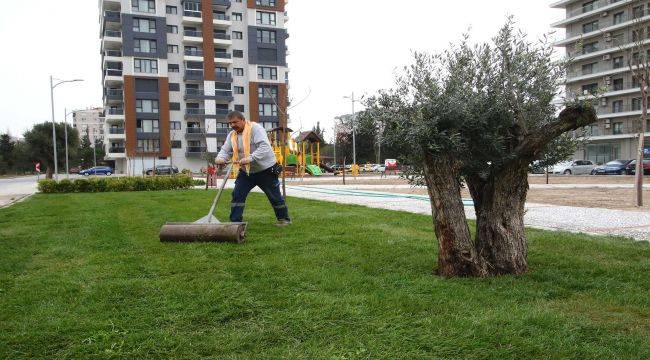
223,185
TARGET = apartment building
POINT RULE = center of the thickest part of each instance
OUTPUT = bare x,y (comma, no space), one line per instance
599,34
172,69
90,122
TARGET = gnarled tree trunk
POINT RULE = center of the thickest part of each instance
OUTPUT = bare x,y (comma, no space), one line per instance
457,256
499,203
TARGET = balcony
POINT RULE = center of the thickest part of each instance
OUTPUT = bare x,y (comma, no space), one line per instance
112,55
221,21
195,151
617,111
222,112
223,57
116,150
195,94
224,3
195,113
224,95
113,34
222,39
605,25
194,133
113,78
193,54
592,9
193,36
193,75
114,95
115,112
223,77
149,150
218,133
192,17
116,131
112,16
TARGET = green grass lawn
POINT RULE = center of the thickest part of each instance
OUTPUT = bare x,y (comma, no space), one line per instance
84,275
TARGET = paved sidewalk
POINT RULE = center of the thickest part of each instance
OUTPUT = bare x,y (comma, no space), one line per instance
631,224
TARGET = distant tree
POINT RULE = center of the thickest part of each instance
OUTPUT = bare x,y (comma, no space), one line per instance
480,114
39,144
318,130
6,153
85,156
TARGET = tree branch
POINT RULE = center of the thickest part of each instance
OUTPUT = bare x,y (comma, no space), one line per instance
573,117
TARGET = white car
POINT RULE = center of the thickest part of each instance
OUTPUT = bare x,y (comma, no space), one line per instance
576,167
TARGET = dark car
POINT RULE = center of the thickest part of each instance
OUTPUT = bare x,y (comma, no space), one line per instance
97,170
74,170
631,167
163,170
614,167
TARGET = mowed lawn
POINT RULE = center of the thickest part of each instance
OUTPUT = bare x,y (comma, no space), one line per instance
84,275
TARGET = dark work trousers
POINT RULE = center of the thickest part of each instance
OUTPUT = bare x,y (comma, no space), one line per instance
268,182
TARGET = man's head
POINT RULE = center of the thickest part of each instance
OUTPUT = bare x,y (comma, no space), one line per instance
236,121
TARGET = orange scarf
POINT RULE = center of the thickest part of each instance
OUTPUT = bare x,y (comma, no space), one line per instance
246,140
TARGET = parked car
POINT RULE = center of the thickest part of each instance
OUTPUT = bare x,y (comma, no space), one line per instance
366,168
97,170
630,169
163,170
615,167
74,170
576,167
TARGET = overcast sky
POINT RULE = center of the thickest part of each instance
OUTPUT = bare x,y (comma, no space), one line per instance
348,45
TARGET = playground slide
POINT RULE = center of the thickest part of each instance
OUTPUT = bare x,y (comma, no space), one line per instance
313,170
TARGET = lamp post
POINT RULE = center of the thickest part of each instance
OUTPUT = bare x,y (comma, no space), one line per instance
354,127
52,86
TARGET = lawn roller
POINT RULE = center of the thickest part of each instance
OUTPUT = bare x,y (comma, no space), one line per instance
207,228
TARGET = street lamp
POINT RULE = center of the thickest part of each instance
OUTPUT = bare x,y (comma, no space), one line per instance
354,127
52,86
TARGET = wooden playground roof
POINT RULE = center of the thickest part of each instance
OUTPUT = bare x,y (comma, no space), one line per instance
310,136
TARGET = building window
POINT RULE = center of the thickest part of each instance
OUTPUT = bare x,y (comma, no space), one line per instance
588,6
619,17
148,145
617,106
144,25
236,16
638,12
172,49
267,73
177,144
270,3
266,36
147,126
617,84
589,27
174,87
588,69
589,89
173,10
636,104
265,18
267,92
238,53
147,66
617,128
238,90
146,106
147,6
144,46
238,71
590,47
173,68
174,125
192,6
617,62
239,108
268,110
172,29
237,35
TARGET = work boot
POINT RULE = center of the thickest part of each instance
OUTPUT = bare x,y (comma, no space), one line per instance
283,223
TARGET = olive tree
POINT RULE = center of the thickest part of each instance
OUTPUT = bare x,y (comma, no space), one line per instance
480,115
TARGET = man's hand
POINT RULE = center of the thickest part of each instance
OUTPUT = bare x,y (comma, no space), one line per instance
245,161
219,162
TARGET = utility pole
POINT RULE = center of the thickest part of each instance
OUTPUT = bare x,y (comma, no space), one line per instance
354,132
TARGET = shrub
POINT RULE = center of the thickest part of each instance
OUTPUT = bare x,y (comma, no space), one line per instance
116,184
198,182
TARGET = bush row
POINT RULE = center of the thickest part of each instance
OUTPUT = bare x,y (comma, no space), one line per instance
116,184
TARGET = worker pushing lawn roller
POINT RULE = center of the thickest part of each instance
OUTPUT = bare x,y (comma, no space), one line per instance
248,146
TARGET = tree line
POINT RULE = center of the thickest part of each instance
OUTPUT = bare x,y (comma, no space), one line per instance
19,156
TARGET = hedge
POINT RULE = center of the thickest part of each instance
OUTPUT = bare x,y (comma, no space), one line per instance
116,184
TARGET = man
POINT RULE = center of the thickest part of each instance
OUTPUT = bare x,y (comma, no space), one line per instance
248,145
